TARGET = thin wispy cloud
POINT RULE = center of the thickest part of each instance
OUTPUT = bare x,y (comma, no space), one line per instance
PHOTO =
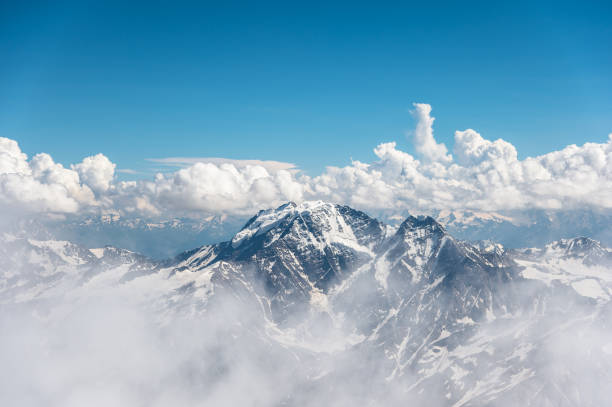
184,162
129,171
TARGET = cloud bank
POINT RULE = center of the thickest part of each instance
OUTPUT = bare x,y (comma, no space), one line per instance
480,174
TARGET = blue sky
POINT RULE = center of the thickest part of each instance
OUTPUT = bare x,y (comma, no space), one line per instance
312,84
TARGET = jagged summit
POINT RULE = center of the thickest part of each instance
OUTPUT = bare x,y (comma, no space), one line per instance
298,248
322,223
585,248
268,219
425,223
576,245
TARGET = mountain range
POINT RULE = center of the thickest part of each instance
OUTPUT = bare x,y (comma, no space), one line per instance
163,238
327,305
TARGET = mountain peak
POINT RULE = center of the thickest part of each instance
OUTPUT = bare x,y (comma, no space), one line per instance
421,222
575,244
269,219
578,247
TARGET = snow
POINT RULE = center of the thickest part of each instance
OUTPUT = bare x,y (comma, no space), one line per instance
268,219
382,272
458,373
58,247
7,237
334,228
593,281
469,218
318,300
99,253
590,288
341,233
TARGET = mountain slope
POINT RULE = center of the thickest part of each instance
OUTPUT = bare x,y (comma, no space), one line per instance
340,301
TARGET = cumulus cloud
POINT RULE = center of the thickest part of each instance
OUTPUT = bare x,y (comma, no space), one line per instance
480,175
424,141
39,185
471,149
12,160
97,171
210,187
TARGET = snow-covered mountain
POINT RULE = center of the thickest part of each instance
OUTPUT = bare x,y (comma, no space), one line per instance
527,228
163,238
359,312
32,269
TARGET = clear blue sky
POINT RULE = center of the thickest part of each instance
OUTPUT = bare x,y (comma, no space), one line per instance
313,84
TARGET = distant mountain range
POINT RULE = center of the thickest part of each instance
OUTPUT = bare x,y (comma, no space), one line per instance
359,311
165,238
528,228
153,237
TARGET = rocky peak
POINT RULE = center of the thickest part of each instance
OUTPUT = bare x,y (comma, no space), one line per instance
420,225
318,222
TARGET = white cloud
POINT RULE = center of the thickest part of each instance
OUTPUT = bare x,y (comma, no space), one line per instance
128,171
206,187
424,141
12,160
484,175
471,149
481,175
39,185
97,171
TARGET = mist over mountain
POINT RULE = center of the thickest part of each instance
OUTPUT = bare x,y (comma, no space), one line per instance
304,204
153,237
307,304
